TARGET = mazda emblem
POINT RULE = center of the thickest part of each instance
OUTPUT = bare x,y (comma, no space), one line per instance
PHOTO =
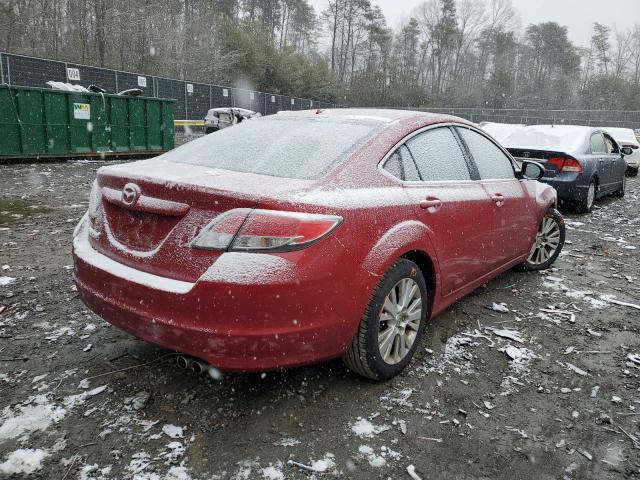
130,194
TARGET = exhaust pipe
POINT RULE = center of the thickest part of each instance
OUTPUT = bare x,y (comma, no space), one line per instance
183,362
193,364
199,367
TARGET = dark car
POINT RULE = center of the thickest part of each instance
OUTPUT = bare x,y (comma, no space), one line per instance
581,163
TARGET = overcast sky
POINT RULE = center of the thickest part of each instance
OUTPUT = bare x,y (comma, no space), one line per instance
578,15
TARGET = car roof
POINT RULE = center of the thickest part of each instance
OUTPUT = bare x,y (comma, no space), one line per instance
500,131
231,109
383,115
559,138
622,135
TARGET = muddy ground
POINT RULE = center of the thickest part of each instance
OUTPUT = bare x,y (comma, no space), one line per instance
94,403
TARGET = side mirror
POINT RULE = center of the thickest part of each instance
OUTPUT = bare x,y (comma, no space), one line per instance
626,151
532,170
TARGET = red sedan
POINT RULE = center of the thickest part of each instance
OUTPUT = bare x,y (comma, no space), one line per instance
306,236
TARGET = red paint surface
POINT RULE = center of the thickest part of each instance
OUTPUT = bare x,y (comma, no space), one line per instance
306,310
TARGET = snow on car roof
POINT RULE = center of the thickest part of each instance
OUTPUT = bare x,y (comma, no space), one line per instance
560,138
623,135
500,131
384,115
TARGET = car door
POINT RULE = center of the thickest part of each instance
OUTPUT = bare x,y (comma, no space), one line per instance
602,161
455,208
616,164
513,223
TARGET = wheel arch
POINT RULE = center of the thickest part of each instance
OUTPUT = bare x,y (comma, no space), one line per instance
410,240
427,267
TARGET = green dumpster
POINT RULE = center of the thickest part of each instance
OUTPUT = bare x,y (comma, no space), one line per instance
40,123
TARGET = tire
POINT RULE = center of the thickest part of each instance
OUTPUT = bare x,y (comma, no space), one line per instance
586,205
365,356
632,172
549,242
209,130
623,188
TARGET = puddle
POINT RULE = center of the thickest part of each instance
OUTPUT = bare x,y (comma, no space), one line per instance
15,210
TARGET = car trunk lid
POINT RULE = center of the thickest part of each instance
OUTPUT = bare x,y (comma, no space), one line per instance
150,212
541,156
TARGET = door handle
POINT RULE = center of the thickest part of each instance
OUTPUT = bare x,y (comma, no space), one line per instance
431,203
498,199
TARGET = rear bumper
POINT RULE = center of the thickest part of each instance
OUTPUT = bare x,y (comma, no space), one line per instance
276,314
572,188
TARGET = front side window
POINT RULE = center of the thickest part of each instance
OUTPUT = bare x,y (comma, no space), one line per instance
492,163
438,156
597,143
402,166
612,146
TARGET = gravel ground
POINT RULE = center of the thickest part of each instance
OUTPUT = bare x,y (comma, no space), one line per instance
81,399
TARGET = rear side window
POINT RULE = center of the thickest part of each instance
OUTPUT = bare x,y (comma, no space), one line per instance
438,156
492,163
303,148
597,143
402,166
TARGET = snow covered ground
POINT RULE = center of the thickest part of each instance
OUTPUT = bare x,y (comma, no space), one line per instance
534,376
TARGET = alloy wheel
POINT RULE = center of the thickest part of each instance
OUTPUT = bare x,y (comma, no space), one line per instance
547,241
591,195
399,321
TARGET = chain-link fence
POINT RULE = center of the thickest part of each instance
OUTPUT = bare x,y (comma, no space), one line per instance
594,118
192,99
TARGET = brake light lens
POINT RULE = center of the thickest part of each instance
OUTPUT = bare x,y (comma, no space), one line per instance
220,232
564,164
244,230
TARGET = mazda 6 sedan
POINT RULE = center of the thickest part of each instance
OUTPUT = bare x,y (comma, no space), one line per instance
306,236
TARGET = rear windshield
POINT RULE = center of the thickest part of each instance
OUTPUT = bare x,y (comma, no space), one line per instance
567,139
302,148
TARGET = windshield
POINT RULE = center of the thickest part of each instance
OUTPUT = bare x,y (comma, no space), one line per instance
278,146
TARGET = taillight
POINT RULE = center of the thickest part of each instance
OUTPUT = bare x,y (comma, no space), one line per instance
244,230
564,164
220,232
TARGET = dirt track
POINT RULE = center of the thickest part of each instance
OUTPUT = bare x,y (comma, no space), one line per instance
568,407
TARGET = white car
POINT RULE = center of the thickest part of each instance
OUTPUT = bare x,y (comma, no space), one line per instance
626,137
218,118
499,131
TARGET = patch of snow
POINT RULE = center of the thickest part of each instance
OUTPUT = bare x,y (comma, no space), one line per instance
177,473
172,431
26,419
273,472
79,399
374,460
363,428
247,268
500,307
509,334
287,442
4,281
24,460
324,464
